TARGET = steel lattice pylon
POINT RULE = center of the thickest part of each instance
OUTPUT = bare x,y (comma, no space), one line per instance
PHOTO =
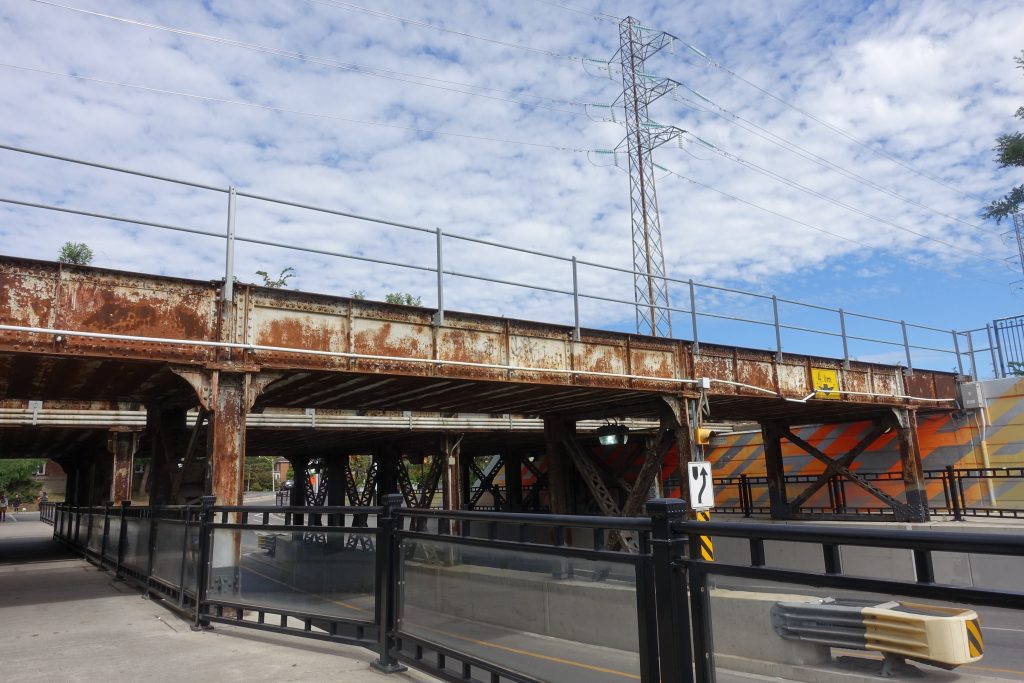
639,90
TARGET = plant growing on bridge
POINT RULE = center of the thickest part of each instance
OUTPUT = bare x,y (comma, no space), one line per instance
403,299
280,281
77,253
1009,152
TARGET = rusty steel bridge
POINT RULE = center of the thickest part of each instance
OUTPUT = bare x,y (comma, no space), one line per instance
73,334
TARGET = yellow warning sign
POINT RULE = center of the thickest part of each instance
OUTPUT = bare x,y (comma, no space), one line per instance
826,383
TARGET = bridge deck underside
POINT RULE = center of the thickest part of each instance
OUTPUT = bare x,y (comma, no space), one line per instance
73,378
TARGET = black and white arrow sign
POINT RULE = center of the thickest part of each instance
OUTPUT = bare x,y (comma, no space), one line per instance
702,492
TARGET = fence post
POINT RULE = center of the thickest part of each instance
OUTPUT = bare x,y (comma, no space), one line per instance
106,533
693,318
954,493
956,350
970,351
386,583
674,653
778,329
700,614
439,317
229,249
746,503
201,620
575,301
122,535
846,341
906,347
997,365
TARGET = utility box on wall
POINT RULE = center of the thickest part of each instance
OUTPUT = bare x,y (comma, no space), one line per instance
972,395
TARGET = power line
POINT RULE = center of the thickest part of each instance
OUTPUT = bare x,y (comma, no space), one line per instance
836,129
434,27
797,221
284,110
802,152
601,16
511,96
811,191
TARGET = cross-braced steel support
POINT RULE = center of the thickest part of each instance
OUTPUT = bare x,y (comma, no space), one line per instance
914,509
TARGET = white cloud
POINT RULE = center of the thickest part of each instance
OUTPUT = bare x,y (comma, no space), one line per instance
931,83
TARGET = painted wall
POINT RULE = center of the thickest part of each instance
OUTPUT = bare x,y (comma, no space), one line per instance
989,437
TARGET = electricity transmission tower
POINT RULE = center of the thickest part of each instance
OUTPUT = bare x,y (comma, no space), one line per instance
639,89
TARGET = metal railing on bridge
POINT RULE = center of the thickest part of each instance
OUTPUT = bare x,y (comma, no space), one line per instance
471,596
748,495
582,293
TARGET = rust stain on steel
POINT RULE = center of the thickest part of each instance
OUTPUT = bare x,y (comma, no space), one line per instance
595,357
122,445
539,352
755,373
227,434
793,379
26,296
175,312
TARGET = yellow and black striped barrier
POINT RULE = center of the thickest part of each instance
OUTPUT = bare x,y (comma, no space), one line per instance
947,637
705,547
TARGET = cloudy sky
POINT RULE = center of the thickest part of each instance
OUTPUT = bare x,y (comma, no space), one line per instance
835,153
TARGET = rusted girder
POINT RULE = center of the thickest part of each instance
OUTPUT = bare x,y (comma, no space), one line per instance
348,352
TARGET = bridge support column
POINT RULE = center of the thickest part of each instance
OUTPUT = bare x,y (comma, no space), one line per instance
453,494
122,446
771,435
513,462
337,472
556,432
168,436
387,456
913,469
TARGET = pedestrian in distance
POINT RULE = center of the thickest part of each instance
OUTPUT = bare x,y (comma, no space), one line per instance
3,506
16,503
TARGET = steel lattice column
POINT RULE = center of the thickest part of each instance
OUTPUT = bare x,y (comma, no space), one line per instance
650,285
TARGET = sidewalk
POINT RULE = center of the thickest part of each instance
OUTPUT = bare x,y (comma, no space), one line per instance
63,619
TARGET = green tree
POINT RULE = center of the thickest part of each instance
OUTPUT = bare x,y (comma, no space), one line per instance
1009,152
358,294
16,478
278,282
259,472
77,253
403,298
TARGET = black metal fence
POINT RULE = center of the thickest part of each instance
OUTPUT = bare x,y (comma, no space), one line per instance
748,495
471,596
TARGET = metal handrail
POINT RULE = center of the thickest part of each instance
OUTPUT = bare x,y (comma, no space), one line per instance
900,339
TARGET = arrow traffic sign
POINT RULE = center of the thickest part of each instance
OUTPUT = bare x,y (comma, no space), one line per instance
702,490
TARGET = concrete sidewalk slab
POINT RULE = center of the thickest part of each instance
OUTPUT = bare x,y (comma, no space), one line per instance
63,619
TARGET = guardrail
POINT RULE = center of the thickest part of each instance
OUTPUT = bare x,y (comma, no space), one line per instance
748,495
465,595
708,314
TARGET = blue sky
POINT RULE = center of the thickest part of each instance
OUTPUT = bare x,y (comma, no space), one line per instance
500,150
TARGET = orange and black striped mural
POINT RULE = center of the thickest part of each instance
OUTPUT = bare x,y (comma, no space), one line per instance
989,437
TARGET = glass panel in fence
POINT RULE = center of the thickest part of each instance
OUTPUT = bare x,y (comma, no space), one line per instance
329,573
136,544
799,632
113,535
169,554
555,619
96,531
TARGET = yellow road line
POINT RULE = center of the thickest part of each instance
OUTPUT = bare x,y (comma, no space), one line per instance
535,655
